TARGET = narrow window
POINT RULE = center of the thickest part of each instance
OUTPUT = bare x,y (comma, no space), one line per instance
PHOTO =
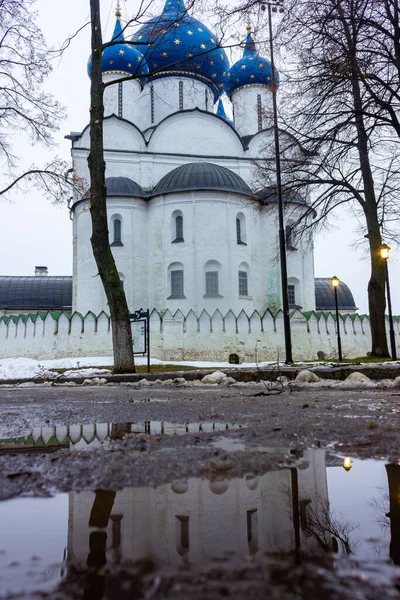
243,288
181,95
291,294
290,237
212,283
152,102
179,229
182,534
259,112
120,91
176,283
238,232
252,530
117,231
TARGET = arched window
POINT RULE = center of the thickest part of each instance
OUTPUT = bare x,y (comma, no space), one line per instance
212,270
243,280
294,292
176,280
177,227
290,237
243,284
241,229
116,230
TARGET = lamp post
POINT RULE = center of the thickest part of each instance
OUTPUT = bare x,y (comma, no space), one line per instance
273,6
335,283
384,251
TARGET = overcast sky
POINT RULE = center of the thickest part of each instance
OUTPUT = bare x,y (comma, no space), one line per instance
33,232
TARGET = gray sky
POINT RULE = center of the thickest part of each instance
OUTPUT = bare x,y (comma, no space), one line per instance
33,232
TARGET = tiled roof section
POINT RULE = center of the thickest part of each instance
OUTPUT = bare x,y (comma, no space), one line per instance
325,295
201,176
39,293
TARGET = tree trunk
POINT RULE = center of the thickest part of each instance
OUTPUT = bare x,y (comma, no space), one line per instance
120,323
376,284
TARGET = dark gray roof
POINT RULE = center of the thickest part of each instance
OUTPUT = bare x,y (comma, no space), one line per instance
36,293
325,295
121,186
201,176
269,194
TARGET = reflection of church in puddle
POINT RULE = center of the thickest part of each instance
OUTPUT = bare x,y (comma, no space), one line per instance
200,519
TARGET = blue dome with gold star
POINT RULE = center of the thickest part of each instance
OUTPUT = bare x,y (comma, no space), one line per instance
252,69
175,43
122,58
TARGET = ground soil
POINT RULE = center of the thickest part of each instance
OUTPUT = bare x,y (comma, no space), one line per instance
359,422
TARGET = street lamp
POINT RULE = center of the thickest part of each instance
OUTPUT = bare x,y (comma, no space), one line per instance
274,6
384,251
335,283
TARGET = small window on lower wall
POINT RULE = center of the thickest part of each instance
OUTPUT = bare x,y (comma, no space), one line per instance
243,284
177,287
292,294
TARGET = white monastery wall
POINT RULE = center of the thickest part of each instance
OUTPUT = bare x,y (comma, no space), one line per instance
189,336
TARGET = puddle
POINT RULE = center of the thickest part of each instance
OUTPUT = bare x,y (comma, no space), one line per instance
53,438
315,509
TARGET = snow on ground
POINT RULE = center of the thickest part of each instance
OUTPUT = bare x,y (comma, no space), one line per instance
27,368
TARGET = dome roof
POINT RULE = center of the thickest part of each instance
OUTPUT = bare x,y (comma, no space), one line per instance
251,69
181,45
123,186
325,295
122,58
201,176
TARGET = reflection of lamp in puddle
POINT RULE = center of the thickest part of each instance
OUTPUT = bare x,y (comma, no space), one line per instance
347,465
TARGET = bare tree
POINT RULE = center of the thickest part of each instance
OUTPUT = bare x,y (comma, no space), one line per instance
25,108
332,115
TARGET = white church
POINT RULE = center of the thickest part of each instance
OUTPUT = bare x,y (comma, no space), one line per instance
193,233
187,229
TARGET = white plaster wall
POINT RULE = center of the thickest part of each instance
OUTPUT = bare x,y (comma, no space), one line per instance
245,109
191,336
166,98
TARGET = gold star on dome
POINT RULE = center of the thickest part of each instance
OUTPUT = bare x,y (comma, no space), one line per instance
140,37
221,55
176,25
121,52
223,74
111,62
139,58
261,65
214,75
220,85
190,55
190,32
212,40
129,65
251,58
198,67
211,62
165,53
101,54
163,31
237,80
199,29
244,67
177,41
268,78
229,74
203,46
155,65
251,76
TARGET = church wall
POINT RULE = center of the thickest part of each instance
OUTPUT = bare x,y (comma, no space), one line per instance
252,109
170,95
189,336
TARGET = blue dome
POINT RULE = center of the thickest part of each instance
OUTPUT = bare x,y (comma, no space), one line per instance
181,45
251,69
122,58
